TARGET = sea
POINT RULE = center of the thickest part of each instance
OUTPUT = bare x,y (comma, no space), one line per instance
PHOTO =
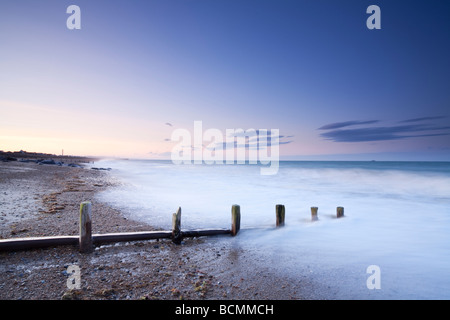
392,243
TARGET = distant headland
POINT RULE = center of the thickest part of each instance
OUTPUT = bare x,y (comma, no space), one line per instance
26,156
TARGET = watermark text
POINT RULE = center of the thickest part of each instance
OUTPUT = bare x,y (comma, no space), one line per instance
236,146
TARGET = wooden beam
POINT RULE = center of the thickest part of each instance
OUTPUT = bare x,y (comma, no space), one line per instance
339,212
16,244
280,212
314,213
205,232
235,219
177,236
86,244
130,236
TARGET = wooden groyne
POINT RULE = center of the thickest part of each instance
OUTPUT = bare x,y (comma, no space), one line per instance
86,240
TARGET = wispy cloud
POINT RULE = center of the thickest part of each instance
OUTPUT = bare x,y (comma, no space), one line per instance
338,125
422,119
166,154
383,133
259,140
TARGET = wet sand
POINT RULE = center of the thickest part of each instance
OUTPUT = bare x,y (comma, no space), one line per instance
43,200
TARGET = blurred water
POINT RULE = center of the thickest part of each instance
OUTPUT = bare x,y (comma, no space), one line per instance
397,216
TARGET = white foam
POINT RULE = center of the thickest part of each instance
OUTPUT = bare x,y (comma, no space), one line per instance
396,219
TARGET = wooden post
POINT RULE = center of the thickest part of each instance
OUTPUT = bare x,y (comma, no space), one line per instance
235,219
86,244
339,212
280,214
176,227
314,213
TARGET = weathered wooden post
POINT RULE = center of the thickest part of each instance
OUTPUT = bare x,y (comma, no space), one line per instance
86,243
339,212
314,213
176,227
280,214
235,219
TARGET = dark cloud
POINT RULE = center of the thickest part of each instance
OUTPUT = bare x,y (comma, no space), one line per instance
339,125
422,119
250,133
255,141
384,133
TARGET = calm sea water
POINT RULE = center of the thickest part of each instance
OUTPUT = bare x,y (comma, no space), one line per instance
397,216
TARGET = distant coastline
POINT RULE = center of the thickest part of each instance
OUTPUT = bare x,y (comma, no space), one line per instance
22,155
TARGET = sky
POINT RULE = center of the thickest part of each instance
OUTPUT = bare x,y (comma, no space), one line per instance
138,70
